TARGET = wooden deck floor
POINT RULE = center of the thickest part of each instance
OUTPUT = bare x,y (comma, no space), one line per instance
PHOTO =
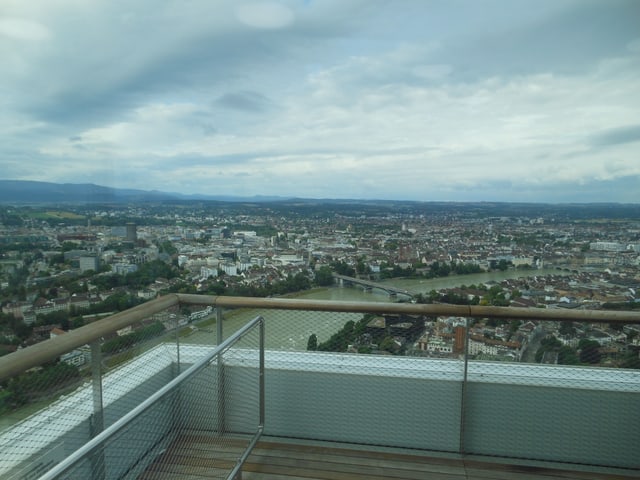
198,457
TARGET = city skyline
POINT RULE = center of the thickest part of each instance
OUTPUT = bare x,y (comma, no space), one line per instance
425,101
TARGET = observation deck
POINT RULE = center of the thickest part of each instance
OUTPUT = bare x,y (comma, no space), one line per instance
223,399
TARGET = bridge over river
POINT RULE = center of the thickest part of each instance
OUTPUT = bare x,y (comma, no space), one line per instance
368,284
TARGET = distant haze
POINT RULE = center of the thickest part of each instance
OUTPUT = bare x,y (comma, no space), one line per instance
487,100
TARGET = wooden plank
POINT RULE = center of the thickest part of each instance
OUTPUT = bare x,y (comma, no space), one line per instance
186,471
352,456
524,472
364,451
196,456
163,475
499,475
285,471
267,476
344,464
184,450
198,461
347,463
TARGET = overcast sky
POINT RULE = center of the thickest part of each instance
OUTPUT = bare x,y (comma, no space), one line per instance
506,100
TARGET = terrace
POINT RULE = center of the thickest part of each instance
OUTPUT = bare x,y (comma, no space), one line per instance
230,398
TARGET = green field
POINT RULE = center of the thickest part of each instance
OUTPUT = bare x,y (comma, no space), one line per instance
55,215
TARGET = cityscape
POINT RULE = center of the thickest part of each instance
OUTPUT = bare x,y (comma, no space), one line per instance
285,239
64,266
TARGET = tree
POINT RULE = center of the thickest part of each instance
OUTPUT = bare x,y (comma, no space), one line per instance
567,356
589,351
566,328
168,248
547,344
68,246
344,268
324,276
631,360
77,322
502,265
312,343
361,266
388,344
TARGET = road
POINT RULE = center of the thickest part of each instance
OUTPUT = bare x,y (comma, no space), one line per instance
529,355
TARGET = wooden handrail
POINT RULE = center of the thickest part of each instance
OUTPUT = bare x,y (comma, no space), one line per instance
48,350
431,309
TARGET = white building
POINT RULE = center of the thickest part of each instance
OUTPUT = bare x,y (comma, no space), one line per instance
207,272
607,246
229,269
123,268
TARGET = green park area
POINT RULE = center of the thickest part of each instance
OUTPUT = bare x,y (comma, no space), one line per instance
60,215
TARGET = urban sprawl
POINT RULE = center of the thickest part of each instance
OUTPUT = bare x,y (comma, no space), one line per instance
63,267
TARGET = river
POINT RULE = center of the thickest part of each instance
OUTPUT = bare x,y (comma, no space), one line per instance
290,330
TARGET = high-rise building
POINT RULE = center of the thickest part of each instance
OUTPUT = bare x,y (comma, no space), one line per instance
89,263
132,234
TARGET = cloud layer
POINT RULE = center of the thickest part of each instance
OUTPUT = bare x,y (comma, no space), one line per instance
420,100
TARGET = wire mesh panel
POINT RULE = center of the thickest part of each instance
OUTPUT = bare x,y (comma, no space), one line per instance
50,411
138,362
198,326
355,378
556,391
571,402
201,422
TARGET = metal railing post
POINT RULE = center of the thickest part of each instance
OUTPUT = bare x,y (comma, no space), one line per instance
177,413
97,418
178,345
236,473
262,406
463,398
220,373
219,333
108,434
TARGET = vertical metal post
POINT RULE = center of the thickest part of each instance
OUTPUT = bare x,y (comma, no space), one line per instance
220,373
177,345
177,414
97,419
261,421
464,387
219,337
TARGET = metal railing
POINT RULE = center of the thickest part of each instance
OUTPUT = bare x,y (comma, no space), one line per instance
41,353
147,437
453,405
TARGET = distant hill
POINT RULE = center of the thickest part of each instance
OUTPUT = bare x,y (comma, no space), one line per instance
16,192
23,191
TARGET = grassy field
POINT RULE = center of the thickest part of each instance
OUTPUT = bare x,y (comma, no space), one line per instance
55,215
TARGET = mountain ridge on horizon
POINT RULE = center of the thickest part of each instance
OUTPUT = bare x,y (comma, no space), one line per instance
32,191
36,192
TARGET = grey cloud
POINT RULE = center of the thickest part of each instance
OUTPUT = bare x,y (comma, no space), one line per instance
565,41
245,101
623,189
191,161
130,69
323,69
208,130
616,136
